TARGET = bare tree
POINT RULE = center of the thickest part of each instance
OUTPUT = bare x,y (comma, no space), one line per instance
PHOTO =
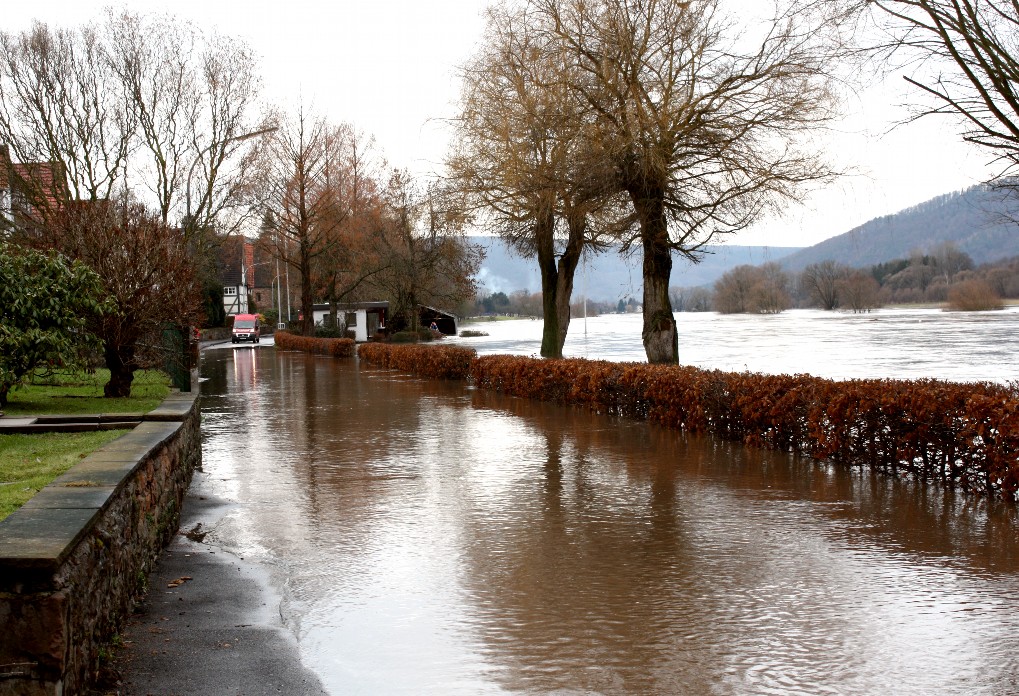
687,299
133,102
103,123
951,260
859,291
299,190
964,59
521,158
701,135
355,257
61,103
820,282
146,270
771,293
752,290
733,291
428,258
973,295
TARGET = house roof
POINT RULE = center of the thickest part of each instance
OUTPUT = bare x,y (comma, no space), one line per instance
43,184
440,312
351,306
228,260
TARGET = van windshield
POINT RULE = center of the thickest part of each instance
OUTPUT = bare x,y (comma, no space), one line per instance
244,324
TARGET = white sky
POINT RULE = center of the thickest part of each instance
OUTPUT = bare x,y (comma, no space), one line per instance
389,68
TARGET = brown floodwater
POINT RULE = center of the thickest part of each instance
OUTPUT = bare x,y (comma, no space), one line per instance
430,538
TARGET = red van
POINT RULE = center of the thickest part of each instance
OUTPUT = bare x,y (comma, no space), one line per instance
246,328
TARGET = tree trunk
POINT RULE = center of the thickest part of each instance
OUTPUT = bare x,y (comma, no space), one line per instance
661,340
120,361
551,347
568,264
307,299
415,314
333,309
557,282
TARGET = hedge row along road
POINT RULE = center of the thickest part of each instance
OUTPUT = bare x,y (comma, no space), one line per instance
961,435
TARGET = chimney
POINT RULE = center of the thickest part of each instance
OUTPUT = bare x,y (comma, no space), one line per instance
5,173
249,261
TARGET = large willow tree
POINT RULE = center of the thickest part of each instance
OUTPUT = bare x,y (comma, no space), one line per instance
702,124
521,157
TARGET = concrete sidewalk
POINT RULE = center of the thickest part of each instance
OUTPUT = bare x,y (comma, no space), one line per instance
209,625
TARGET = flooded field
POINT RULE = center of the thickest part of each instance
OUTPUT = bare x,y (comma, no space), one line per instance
901,343
429,538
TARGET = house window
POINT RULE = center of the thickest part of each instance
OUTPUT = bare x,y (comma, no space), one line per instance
232,290
6,212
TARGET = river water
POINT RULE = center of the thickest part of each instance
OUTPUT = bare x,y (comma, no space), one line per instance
429,538
899,343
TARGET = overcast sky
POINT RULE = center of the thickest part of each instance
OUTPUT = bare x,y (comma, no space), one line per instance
389,67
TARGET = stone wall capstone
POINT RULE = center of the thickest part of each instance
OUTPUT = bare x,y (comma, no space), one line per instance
75,557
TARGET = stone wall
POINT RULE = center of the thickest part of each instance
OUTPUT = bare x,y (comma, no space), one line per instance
74,558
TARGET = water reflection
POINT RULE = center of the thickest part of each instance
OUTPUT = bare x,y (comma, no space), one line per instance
436,539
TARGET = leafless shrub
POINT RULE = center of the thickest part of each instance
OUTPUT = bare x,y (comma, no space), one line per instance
973,296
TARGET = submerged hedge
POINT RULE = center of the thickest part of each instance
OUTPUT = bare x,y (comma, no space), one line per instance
440,362
964,435
339,347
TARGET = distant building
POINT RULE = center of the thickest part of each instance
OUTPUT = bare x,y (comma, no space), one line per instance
30,192
446,322
235,259
364,319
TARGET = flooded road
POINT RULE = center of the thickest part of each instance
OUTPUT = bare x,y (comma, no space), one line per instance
428,538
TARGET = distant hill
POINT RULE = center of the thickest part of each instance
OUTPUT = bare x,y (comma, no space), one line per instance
974,219
611,276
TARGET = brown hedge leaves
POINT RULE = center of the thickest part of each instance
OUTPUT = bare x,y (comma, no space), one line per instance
964,435
440,362
338,347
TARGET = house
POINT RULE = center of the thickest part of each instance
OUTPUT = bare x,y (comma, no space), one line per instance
365,319
30,192
261,278
233,259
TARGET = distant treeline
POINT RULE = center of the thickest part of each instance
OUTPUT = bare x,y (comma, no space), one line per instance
528,304
946,275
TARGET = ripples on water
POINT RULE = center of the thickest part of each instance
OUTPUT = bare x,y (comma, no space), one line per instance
910,344
432,539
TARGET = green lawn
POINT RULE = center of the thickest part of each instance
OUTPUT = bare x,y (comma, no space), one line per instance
29,462
78,393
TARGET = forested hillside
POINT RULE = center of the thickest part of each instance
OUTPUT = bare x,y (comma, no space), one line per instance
610,276
975,220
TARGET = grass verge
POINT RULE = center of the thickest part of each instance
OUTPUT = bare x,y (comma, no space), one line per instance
78,393
29,462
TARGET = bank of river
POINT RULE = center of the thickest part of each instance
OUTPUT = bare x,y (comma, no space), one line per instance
432,538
